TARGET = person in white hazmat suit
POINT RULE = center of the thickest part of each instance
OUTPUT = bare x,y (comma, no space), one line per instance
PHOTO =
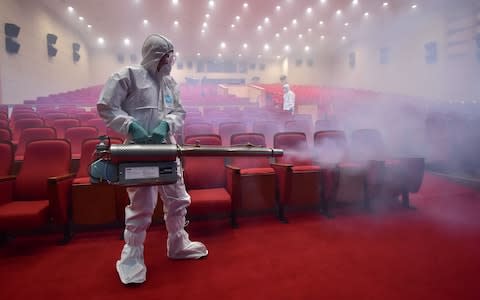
288,99
142,102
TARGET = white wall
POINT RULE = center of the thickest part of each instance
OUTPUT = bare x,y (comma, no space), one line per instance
31,73
407,73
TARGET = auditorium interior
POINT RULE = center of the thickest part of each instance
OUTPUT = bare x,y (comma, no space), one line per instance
368,189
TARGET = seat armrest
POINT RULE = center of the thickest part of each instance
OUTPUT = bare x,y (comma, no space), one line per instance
59,195
7,184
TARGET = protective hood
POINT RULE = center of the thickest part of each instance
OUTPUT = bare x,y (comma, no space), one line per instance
154,47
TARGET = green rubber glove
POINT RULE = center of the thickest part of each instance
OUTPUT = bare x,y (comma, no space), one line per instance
138,133
160,133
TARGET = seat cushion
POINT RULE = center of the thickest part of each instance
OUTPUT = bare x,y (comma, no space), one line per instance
306,168
209,201
19,215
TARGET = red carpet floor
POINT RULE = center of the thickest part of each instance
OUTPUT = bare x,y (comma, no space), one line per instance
429,253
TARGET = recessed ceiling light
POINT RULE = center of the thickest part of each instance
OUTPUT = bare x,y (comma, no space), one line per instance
266,20
309,10
80,18
278,8
198,53
145,22
245,5
240,55
70,9
286,48
285,28
245,45
175,23
223,45
100,40
233,25
321,23
211,3
307,48
294,21
175,2
354,2
259,27
237,18
219,54
126,42
207,16
385,4
277,34
177,54
266,47
346,24
89,26
322,37
204,25
339,12
323,1
366,14
414,6
300,36
344,37
309,29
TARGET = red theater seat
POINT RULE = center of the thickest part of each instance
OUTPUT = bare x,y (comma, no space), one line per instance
395,176
299,179
227,129
97,123
198,129
22,124
205,180
109,201
5,134
76,136
345,181
39,194
6,153
33,134
251,180
61,125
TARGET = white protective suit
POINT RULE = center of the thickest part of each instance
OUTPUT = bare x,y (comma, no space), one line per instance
288,99
142,94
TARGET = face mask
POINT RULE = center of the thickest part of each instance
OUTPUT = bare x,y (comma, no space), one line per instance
165,70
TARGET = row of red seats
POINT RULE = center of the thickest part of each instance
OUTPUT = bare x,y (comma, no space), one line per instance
44,189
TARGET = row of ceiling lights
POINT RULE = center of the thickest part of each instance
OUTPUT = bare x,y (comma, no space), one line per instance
211,4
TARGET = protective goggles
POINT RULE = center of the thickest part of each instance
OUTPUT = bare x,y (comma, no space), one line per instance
168,58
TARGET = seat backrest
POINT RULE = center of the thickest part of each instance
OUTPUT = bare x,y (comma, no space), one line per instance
5,134
50,117
295,148
6,153
256,139
97,123
367,144
227,129
267,128
88,154
61,125
4,123
204,172
322,125
76,136
198,129
33,134
330,146
20,125
300,125
43,159
24,115
85,116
